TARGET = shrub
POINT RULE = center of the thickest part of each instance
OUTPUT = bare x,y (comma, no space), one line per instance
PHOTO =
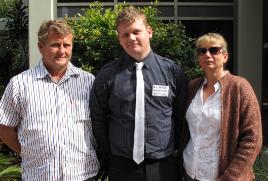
17,25
96,39
14,48
4,5
13,60
10,167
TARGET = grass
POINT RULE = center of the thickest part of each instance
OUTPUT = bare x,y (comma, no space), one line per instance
261,165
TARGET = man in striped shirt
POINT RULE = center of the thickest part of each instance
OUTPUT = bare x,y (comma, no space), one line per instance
45,116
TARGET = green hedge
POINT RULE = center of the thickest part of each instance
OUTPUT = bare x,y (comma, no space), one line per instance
96,39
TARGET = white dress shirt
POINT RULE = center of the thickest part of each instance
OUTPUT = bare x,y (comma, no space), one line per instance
53,121
201,156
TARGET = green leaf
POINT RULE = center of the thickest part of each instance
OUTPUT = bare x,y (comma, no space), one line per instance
13,171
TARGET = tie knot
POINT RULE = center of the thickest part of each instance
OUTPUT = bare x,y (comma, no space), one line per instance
139,65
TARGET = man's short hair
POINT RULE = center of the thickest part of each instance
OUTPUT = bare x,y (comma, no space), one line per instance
58,26
129,15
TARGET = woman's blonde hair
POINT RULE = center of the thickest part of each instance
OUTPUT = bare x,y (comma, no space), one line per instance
212,38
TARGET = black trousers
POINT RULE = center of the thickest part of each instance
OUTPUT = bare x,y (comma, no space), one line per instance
123,169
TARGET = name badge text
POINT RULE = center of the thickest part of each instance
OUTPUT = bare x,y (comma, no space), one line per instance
160,90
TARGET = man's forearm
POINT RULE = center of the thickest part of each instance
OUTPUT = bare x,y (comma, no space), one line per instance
9,136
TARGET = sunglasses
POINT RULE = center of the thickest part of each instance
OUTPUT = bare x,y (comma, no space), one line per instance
212,51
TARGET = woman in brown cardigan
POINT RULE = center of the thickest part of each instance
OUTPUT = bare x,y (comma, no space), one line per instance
224,119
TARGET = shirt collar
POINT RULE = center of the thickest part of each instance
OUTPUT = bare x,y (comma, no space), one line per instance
148,61
41,71
216,85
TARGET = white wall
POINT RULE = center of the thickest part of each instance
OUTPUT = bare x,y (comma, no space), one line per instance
39,11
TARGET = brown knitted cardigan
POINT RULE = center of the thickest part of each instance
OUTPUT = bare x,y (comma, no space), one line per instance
241,130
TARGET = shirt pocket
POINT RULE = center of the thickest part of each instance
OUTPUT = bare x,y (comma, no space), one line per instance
161,102
80,110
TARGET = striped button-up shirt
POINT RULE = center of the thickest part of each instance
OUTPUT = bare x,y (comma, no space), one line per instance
53,123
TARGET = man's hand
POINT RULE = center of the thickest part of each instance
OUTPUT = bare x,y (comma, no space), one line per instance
9,136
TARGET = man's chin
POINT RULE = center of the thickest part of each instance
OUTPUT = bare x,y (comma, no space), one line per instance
135,51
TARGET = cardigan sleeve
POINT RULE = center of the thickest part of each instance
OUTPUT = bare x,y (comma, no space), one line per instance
249,141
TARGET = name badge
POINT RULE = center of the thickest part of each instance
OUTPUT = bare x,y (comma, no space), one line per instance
160,90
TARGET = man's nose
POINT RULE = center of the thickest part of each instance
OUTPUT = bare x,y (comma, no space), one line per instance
61,49
132,36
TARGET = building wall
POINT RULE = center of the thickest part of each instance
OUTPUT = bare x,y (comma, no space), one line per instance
249,42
